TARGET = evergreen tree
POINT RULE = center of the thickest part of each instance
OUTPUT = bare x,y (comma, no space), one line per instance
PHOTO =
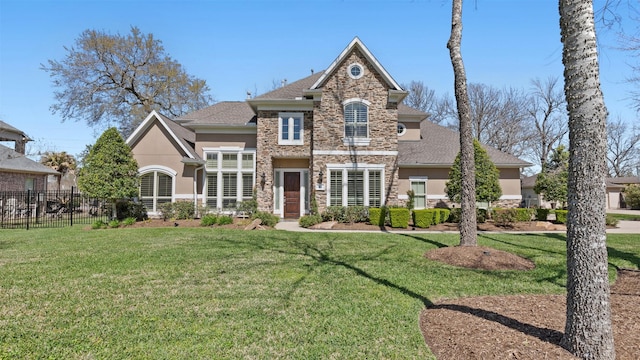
110,172
487,177
552,181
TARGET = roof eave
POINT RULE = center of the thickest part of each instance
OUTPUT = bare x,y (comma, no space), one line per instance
281,104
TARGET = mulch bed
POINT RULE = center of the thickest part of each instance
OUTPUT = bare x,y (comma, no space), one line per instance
518,326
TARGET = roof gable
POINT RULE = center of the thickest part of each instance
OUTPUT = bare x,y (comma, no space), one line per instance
356,43
184,137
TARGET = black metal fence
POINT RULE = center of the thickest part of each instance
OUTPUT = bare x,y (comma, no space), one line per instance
31,209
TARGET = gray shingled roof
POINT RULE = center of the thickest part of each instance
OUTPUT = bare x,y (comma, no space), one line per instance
186,136
12,161
8,129
228,113
440,146
293,90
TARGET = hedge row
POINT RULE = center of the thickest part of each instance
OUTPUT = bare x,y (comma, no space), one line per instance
426,217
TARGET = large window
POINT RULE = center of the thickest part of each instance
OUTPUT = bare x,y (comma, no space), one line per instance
419,188
351,187
356,120
230,177
156,188
290,128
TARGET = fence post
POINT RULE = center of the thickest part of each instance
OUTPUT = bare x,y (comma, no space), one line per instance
73,190
28,207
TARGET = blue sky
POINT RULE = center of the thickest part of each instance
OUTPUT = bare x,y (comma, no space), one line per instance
240,46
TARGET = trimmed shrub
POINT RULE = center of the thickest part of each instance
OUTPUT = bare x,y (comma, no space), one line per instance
444,214
333,213
561,216
611,220
355,214
267,219
542,214
399,217
310,220
208,220
225,220
378,216
632,196
423,218
524,214
455,215
505,217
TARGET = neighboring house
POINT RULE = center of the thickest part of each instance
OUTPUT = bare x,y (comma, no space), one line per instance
19,173
341,135
615,192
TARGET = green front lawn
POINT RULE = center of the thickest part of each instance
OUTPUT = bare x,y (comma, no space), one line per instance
198,293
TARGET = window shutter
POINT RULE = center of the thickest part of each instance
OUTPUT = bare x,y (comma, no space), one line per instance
335,198
375,188
229,161
212,160
355,188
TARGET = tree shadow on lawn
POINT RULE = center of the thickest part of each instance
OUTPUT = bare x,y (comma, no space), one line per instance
323,257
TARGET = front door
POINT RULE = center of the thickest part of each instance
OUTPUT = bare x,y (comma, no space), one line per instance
292,195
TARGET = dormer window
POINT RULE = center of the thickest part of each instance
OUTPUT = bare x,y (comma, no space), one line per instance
356,122
355,71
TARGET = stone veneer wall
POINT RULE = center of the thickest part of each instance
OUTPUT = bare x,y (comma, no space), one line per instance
328,125
268,148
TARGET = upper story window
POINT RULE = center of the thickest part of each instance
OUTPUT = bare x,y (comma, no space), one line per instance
355,71
356,122
290,129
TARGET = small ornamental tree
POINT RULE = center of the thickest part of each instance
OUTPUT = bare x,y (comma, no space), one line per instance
552,182
487,177
110,172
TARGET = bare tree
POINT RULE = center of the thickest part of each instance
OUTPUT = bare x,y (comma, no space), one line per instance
547,113
424,99
623,148
588,332
468,234
118,78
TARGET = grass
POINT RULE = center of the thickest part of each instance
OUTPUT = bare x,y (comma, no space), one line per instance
628,217
195,293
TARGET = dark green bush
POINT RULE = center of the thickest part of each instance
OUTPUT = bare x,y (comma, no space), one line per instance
378,216
524,214
179,210
267,219
423,218
455,215
632,196
561,216
248,207
542,214
130,209
309,220
399,217
208,220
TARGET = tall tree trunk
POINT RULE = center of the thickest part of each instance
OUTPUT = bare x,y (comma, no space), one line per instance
468,226
588,332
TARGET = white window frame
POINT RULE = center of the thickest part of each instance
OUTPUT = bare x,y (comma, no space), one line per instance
218,171
420,179
356,140
289,118
155,170
351,66
364,168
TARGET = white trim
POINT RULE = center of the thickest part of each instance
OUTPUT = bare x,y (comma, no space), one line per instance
511,197
304,192
437,197
356,42
356,152
150,168
356,141
357,100
425,181
355,166
349,167
351,66
138,131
